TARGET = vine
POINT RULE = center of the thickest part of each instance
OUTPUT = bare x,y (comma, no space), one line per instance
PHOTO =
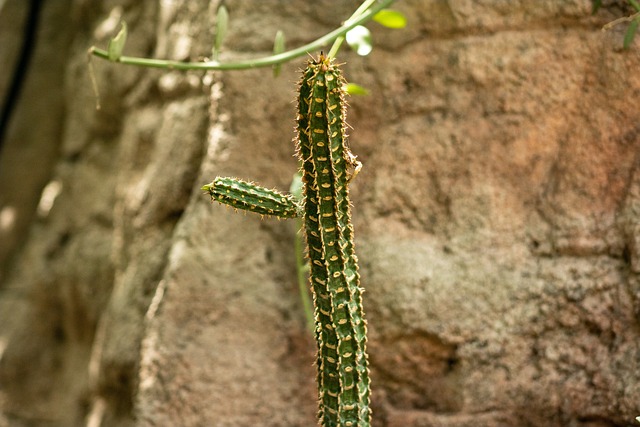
633,21
367,11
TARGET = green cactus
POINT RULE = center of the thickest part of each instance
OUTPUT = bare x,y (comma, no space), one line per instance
327,168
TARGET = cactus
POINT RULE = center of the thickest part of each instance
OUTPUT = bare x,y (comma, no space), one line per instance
327,168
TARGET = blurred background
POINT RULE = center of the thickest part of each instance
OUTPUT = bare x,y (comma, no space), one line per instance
496,216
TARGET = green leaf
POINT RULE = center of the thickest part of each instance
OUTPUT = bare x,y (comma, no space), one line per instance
630,34
596,5
390,18
116,44
278,47
222,23
635,4
359,39
354,89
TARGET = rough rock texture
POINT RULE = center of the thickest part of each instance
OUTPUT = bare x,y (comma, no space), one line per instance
497,220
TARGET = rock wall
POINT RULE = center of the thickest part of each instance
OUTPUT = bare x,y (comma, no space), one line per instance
496,219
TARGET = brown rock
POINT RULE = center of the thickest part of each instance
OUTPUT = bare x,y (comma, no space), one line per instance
496,221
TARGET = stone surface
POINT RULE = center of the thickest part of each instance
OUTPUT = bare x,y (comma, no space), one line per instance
496,217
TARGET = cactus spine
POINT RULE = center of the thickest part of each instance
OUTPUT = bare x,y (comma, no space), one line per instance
327,168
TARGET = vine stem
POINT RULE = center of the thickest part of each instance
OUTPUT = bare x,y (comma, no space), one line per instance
338,41
359,16
620,21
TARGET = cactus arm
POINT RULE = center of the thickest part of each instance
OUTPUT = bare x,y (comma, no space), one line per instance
251,197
